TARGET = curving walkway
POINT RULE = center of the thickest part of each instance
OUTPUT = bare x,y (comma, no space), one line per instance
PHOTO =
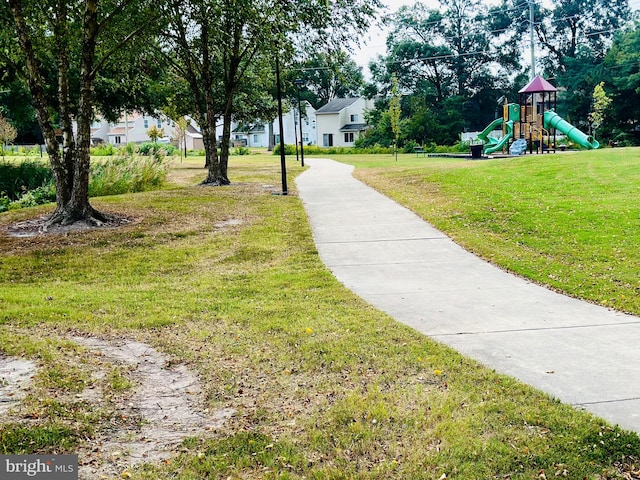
580,353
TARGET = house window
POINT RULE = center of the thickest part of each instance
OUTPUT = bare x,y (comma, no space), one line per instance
146,124
348,137
159,123
117,140
276,138
354,117
327,140
255,139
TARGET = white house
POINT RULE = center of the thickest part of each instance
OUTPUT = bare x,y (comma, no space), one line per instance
291,126
192,138
131,127
250,135
257,135
340,122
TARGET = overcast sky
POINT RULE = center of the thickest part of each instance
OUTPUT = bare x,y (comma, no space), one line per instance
375,41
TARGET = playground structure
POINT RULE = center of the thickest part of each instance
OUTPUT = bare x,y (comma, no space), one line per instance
535,121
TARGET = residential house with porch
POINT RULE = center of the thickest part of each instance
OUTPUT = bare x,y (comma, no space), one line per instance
340,122
130,128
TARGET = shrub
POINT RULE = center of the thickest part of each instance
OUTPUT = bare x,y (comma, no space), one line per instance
288,149
18,178
243,151
4,202
149,148
131,148
409,146
22,151
105,150
38,196
127,175
316,150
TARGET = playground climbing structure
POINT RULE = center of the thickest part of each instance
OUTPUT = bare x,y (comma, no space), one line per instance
534,120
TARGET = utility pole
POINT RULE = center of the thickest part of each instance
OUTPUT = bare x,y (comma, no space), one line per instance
533,50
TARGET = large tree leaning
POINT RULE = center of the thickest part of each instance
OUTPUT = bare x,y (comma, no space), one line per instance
69,37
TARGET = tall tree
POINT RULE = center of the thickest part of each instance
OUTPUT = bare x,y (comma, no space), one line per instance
329,74
394,113
78,39
567,30
570,24
601,103
8,133
447,51
222,48
622,65
453,59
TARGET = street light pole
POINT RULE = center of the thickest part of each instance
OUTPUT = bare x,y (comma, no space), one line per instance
295,134
283,163
299,83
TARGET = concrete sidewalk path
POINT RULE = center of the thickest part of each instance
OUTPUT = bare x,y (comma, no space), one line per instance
580,353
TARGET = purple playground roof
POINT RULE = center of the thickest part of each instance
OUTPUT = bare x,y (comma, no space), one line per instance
538,84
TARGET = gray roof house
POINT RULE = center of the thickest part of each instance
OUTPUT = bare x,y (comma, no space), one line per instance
340,122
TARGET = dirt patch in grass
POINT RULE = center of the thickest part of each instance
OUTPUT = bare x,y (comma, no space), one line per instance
157,404
164,397
15,377
38,226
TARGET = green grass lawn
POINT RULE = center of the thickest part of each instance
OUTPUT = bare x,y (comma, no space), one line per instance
228,282
570,221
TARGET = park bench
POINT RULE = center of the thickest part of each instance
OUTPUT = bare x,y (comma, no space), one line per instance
419,150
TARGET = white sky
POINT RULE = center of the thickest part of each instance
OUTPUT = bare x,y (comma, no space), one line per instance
374,43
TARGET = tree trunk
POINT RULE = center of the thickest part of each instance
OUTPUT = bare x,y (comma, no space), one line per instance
226,143
214,177
271,140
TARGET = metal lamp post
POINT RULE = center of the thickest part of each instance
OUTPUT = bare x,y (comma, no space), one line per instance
299,83
283,164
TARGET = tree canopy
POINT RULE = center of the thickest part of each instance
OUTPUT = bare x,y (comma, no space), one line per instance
327,75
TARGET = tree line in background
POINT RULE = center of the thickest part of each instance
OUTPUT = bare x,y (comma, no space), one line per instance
445,70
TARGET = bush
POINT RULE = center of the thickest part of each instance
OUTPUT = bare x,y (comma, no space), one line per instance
21,151
409,146
38,196
18,178
105,150
4,202
316,150
149,148
243,151
128,175
288,149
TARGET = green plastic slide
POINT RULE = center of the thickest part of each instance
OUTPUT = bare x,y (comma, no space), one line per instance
553,120
492,144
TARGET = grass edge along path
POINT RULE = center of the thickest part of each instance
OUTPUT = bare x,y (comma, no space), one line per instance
566,221
227,282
